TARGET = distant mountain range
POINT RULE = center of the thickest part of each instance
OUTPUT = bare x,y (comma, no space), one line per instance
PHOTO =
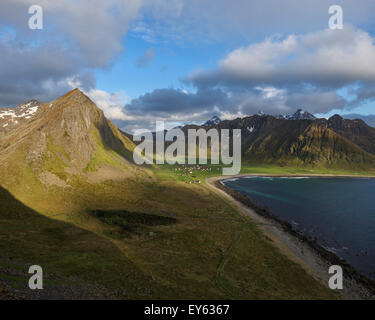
71,136
298,115
302,139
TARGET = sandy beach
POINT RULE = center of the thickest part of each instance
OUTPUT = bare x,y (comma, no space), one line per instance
292,246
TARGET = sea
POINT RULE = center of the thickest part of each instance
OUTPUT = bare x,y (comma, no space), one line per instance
338,212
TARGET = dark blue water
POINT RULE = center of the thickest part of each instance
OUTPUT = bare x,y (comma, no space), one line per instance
339,212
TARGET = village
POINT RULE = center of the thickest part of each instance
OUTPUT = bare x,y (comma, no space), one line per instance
190,173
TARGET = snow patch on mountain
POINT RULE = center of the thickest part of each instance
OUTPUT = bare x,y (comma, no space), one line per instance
213,121
251,130
300,115
23,111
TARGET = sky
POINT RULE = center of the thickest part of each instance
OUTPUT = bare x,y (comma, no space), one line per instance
185,61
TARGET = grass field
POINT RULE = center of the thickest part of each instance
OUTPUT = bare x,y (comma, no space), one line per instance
176,172
161,237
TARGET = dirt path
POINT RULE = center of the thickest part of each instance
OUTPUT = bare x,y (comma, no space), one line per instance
223,262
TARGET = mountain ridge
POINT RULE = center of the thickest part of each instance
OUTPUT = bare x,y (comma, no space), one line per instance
318,142
67,138
213,121
301,115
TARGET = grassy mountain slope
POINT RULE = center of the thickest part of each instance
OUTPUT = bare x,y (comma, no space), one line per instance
306,144
357,131
66,141
131,256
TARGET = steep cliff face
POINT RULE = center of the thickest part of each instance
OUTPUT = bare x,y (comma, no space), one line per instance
69,136
356,131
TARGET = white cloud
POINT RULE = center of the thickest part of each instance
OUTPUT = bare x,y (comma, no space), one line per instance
96,28
111,103
277,75
77,38
329,58
270,92
200,21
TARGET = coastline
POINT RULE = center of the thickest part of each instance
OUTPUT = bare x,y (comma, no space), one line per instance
312,257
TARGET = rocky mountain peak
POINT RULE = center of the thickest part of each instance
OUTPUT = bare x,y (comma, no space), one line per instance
300,114
70,130
13,117
213,121
74,96
336,117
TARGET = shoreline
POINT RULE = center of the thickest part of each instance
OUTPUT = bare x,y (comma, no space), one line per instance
312,257
296,175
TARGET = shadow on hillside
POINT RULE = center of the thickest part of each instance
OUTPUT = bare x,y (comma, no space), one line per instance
131,222
113,143
11,208
77,264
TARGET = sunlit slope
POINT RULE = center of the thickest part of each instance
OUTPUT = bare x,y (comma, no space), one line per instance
65,140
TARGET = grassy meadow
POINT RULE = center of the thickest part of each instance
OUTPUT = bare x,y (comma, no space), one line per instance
156,237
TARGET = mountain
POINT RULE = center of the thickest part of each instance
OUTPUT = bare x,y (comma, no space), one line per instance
262,114
369,119
11,118
213,121
332,143
357,131
55,143
300,115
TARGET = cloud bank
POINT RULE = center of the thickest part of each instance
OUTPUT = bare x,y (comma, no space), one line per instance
296,68
277,75
78,37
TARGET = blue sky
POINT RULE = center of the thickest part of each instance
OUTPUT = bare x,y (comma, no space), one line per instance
185,61
171,63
